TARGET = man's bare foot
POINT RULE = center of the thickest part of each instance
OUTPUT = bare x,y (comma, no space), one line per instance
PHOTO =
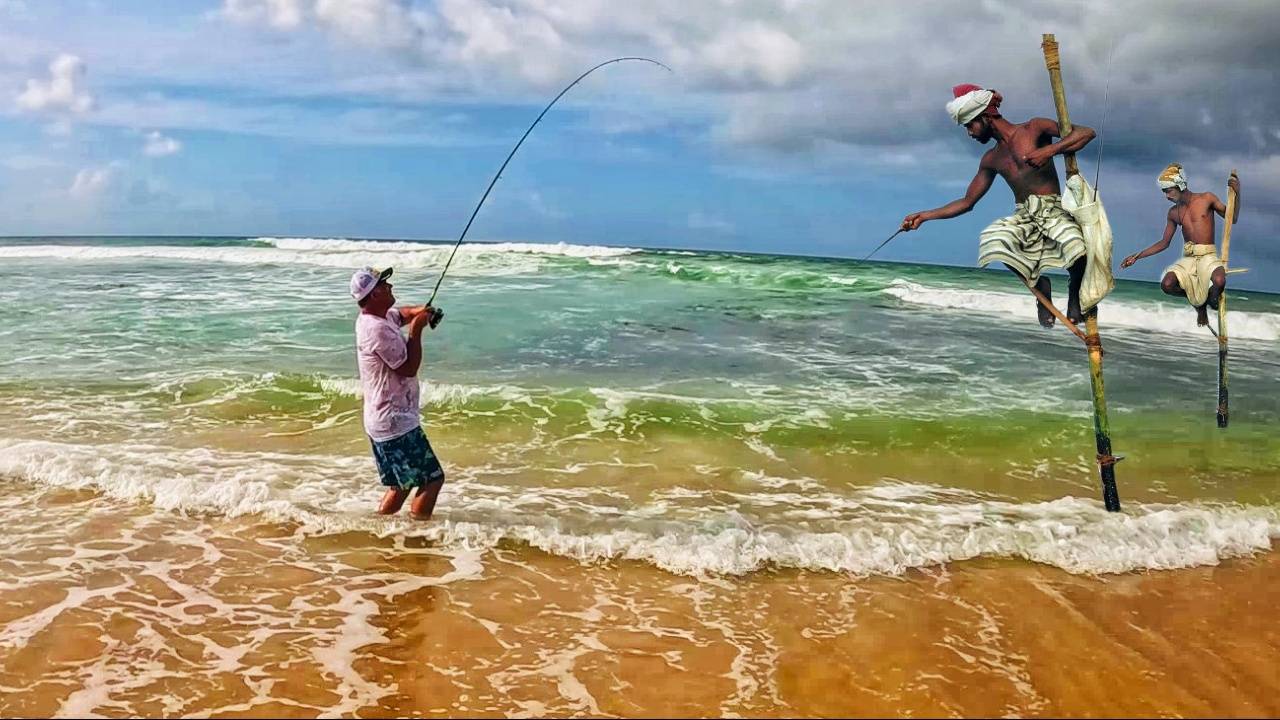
1046,289
1202,316
1046,317
1073,311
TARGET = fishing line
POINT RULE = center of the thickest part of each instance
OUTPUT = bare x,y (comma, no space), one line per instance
1106,94
438,314
886,242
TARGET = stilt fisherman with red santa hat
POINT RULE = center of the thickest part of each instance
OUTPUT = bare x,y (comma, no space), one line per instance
1040,234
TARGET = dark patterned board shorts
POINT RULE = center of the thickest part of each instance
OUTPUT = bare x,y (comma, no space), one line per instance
407,461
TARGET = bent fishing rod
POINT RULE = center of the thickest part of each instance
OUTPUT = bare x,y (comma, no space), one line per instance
886,242
437,314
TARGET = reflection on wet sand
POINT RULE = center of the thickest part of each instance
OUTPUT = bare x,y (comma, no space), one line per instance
115,609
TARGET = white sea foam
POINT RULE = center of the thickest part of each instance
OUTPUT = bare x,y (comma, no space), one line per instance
329,619
435,394
879,530
234,255
1166,317
340,245
476,258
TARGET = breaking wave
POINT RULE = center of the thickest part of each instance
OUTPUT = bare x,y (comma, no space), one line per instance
880,530
482,258
1166,317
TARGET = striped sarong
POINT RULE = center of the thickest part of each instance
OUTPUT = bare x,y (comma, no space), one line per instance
1039,236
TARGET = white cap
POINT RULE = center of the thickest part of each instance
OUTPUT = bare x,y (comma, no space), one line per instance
364,280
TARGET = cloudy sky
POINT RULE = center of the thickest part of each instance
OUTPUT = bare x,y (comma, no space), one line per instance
801,126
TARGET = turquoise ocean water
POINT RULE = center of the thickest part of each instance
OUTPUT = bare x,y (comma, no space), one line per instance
702,412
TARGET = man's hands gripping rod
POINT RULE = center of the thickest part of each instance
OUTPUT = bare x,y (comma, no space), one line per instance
419,315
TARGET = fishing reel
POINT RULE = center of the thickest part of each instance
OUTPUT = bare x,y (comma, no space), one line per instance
436,316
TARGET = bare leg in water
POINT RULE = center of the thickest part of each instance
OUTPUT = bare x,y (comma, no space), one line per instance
424,503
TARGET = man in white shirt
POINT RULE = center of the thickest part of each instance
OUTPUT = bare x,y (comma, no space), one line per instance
389,367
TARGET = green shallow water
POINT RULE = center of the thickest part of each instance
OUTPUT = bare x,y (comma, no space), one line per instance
696,384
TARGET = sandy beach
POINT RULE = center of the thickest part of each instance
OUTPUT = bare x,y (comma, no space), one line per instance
211,617
743,486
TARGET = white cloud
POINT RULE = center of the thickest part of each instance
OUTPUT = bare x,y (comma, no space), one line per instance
372,22
1261,173
63,91
386,23
160,145
806,78
92,182
756,54
279,14
477,36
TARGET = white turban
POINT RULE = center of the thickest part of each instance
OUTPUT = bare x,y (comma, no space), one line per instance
969,106
1173,177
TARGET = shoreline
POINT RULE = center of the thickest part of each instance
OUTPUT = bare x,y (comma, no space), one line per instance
263,620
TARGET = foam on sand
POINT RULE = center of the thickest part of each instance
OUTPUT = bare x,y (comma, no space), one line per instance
882,530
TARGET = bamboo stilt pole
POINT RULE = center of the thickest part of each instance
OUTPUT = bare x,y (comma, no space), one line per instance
1093,341
1222,309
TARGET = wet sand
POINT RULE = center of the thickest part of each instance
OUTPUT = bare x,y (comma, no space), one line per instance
116,609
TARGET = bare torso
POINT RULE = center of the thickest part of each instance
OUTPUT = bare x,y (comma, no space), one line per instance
1025,180
1023,156
1195,217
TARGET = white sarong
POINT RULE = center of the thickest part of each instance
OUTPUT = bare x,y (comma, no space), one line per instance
1195,271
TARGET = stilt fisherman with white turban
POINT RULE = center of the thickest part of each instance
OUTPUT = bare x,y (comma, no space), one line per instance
1040,234
1199,276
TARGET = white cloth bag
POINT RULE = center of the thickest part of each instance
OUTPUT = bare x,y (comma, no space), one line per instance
1080,201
